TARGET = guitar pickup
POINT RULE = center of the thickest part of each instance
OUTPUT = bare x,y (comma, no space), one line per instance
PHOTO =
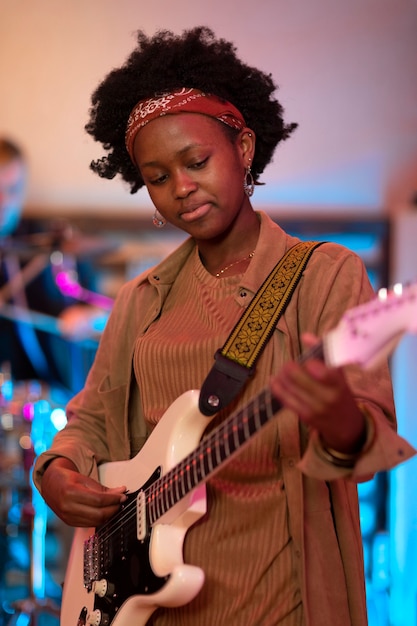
90,572
141,525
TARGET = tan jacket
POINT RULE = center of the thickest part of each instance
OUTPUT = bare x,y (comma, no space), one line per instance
320,496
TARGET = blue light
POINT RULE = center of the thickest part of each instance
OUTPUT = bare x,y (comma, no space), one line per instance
7,390
367,518
58,418
366,490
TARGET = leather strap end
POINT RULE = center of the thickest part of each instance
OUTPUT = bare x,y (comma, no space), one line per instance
224,381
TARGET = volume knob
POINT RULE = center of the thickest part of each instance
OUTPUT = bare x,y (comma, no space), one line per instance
102,588
94,618
97,618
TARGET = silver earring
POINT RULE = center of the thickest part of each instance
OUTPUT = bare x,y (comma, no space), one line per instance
248,182
158,220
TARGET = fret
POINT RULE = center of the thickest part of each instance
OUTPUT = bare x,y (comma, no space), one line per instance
245,426
165,495
150,503
218,457
212,452
177,487
196,472
182,477
208,461
188,476
158,501
221,445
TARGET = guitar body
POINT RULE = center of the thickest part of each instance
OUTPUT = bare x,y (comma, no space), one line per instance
149,572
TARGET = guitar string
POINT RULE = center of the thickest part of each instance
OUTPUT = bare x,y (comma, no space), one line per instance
156,492
130,510
317,350
159,489
185,476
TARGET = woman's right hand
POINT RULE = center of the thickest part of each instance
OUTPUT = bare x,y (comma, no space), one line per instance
77,499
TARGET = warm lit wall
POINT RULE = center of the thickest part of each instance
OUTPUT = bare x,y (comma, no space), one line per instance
347,72
403,480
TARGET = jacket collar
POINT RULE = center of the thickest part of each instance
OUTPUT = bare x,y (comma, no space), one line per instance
272,244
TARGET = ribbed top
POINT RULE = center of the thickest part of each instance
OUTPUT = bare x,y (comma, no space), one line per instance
242,544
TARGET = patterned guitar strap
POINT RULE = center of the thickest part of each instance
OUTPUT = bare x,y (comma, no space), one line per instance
235,362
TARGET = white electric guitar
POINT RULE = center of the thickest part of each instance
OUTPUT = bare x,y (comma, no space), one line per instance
119,573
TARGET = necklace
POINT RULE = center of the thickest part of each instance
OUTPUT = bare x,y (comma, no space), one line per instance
224,269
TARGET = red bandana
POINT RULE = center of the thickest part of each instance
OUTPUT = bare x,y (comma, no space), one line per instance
182,101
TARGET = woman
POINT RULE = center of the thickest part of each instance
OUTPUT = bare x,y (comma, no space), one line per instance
280,543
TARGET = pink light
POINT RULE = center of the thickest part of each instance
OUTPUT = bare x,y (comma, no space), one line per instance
69,287
28,411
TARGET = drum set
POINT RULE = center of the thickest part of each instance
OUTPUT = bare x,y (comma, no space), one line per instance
31,413
34,544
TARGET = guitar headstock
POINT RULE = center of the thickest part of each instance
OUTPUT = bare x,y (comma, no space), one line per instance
369,333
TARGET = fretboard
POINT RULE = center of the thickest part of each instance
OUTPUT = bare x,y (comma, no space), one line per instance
214,450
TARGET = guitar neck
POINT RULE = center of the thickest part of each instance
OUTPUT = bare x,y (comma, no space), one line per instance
212,452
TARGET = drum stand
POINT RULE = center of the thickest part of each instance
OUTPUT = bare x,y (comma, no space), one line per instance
27,611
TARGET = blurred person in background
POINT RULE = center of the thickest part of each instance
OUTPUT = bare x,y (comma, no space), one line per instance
38,320
46,334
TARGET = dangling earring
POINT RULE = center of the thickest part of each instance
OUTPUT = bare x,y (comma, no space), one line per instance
248,182
158,220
